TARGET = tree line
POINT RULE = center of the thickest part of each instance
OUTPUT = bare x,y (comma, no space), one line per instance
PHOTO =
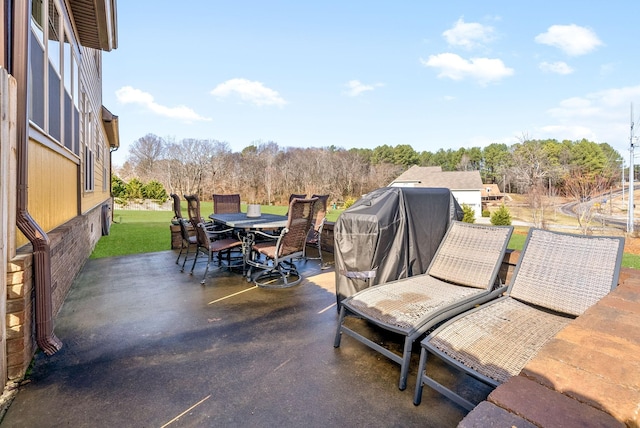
267,173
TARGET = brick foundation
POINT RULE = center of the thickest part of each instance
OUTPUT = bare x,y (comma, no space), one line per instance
71,245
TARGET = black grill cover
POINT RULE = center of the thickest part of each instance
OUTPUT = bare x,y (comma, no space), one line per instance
388,234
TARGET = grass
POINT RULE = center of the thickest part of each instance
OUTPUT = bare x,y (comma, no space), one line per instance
136,232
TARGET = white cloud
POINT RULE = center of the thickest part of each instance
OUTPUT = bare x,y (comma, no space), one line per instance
452,66
250,91
469,34
571,39
601,116
558,67
355,87
567,132
130,95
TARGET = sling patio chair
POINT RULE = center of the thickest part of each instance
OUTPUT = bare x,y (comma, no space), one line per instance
177,209
295,196
273,255
557,278
226,204
188,239
463,273
314,237
212,241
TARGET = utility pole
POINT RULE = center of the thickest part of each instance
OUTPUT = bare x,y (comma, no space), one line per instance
630,221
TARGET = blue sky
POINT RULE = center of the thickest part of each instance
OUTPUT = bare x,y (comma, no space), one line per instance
367,73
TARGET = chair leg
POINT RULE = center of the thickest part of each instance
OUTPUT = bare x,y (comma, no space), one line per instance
206,269
180,253
404,366
283,270
417,396
186,256
336,340
195,259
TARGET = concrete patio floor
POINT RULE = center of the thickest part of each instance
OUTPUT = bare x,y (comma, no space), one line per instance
148,346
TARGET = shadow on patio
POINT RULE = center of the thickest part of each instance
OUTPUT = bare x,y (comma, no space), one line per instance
146,345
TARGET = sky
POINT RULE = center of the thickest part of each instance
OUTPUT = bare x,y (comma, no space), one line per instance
361,74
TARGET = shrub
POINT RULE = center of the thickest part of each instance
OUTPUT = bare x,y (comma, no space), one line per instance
469,216
486,213
501,217
118,187
349,202
154,190
134,189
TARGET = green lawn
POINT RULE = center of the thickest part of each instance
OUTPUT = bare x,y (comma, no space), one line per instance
136,232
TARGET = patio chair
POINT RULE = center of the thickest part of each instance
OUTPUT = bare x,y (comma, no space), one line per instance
295,196
177,209
557,278
226,204
463,273
211,240
273,255
188,239
315,232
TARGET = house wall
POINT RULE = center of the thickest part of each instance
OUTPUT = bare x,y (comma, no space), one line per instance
471,198
7,198
58,198
53,188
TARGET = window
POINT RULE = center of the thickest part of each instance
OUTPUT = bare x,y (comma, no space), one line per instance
89,139
88,170
54,75
105,177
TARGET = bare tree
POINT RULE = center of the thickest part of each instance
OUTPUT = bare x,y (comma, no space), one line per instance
583,189
144,154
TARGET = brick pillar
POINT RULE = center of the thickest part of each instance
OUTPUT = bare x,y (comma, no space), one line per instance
176,237
20,337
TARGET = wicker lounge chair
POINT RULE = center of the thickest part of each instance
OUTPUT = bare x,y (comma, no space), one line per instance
557,278
274,254
212,241
462,274
226,204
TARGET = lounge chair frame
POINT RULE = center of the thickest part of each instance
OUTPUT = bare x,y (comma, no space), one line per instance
557,277
463,273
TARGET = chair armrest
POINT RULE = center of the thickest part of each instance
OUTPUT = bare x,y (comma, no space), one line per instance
270,236
212,232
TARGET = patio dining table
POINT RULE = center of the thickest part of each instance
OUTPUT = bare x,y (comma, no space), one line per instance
246,227
242,222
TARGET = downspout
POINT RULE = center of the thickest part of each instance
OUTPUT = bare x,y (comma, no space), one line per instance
19,68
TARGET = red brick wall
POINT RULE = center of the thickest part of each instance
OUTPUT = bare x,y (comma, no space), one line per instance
71,245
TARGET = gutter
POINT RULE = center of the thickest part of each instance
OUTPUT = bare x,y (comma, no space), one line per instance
18,66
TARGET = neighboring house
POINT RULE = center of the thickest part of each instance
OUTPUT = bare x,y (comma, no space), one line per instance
491,192
56,140
466,186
